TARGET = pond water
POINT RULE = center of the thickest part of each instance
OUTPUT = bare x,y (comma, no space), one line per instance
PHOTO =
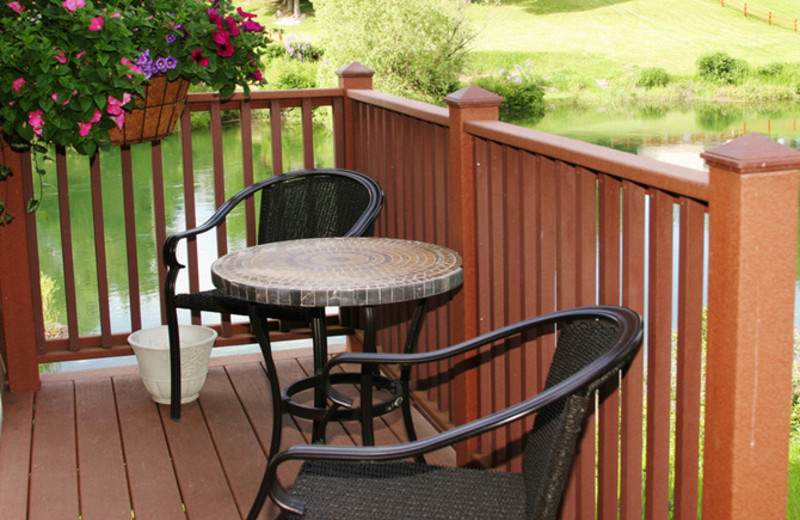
674,135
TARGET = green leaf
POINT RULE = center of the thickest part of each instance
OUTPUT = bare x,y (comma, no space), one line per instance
32,205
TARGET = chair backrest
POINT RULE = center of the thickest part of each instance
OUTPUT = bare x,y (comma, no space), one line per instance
551,443
318,203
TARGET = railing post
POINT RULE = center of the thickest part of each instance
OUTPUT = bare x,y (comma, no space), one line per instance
17,304
351,77
753,205
468,104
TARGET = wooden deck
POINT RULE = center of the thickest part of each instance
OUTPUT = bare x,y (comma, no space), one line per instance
93,445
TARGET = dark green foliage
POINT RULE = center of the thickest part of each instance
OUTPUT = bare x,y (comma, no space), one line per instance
771,69
720,67
649,77
523,93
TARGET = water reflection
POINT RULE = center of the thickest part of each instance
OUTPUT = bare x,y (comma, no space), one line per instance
82,216
673,135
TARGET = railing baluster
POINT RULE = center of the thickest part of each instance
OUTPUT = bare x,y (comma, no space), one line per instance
131,248
609,293
659,349
275,135
248,176
689,358
633,296
67,258
100,252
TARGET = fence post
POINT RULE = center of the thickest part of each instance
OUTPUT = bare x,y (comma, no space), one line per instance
753,205
18,265
352,76
471,103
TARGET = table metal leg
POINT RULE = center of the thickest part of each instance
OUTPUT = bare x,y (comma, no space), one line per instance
367,371
320,346
405,372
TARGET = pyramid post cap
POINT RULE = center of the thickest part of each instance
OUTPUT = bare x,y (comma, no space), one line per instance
355,70
753,152
473,96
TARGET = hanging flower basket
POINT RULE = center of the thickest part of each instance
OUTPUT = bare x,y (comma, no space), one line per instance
154,115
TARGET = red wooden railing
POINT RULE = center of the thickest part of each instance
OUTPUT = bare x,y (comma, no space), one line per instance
544,223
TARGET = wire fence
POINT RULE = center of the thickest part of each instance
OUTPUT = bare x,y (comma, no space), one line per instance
768,16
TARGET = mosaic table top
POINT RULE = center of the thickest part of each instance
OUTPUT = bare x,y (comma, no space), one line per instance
321,272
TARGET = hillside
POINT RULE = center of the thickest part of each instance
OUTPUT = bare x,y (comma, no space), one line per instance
603,34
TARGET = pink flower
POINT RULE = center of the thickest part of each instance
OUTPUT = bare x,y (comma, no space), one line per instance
73,5
232,27
134,68
96,24
243,14
115,105
251,26
60,56
224,46
197,57
36,121
85,127
115,109
54,97
16,7
214,17
16,85
257,76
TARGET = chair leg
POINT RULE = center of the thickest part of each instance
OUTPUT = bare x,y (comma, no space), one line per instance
258,322
174,365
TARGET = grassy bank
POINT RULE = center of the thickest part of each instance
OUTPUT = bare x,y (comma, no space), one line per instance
590,50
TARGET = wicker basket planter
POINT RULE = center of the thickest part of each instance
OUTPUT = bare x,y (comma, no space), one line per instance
155,114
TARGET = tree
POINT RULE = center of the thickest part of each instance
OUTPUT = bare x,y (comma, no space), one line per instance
416,47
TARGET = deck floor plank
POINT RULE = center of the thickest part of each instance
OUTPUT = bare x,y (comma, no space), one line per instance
240,453
251,386
103,482
205,490
151,476
15,450
97,446
54,476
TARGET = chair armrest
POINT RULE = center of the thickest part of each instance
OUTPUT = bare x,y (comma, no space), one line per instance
445,353
571,385
171,243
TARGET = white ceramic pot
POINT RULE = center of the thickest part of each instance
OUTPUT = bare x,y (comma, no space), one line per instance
151,347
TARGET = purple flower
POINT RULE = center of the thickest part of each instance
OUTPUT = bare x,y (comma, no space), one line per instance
161,64
171,38
172,62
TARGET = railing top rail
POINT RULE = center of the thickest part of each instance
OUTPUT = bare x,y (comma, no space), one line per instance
259,98
205,97
671,178
409,107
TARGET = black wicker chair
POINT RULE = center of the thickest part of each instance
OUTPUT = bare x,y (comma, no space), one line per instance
302,204
593,344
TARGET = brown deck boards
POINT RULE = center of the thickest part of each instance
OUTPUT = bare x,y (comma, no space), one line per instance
92,444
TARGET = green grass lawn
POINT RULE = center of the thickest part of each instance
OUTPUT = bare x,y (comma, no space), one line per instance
606,36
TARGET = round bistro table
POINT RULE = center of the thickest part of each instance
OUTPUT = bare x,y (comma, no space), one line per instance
337,272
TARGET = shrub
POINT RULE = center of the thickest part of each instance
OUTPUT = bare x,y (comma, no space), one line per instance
649,77
290,74
521,89
720,67
771,69
416,47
